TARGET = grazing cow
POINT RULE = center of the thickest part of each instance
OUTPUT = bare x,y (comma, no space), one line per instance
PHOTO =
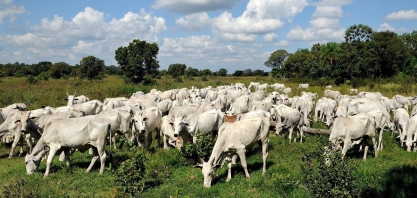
81,99
167,131
236,138
374,96
79,133
294,121
164,106
332,94
375,109
277,86
303,86
353,91
240,105
5,111
348,129
209,121
286,90
328,87
112,103
401,121
144,123
71,100
412,134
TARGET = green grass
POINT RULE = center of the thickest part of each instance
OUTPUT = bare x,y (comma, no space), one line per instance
392,174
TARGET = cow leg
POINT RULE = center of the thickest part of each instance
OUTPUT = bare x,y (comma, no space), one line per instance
52,151
264,154
373,142
345,147
195,139
158,136
229,171
165,142
103,157
290,134
380,139
242,157
96,155
67,158
365,146
17,136
301,133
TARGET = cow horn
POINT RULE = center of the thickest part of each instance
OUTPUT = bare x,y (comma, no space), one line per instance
67,92
201,160
75,92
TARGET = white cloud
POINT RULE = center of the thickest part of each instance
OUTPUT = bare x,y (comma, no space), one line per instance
260,17
272,37
194,22
328,12
86,33
187,6
205,52
402,15
385,27
282,43
324,26
10,11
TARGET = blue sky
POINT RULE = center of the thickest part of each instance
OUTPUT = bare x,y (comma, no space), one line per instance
203,34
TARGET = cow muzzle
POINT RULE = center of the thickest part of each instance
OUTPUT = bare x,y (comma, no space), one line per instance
142,131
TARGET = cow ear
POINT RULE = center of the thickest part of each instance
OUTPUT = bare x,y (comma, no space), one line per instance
198,165
66,99
33,118
75,98
17,122
145,119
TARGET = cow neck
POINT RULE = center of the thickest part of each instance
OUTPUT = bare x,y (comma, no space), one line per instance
216,154
38,147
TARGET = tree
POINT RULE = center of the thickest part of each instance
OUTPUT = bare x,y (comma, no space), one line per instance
258,72
42,66
330,52
410,40
238,73
392,52
191,72
247,72
59,69
222,72
358,33
90,67
176,70
204,72
276,60
138,60
298,64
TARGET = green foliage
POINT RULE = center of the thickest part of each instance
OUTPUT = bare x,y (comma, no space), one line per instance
31,80
18,188
202,149
43,76
326,174
204,78
178,79
149,80
129,177
191,72
137,60
222,72
59,69
176,70
90,67
277,58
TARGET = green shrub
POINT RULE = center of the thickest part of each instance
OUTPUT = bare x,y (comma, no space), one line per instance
18,188
43,76
204,78
31,80
130,175
327,175
178,79
202,149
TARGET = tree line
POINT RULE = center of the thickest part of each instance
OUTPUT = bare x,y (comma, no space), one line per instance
137,62
364,53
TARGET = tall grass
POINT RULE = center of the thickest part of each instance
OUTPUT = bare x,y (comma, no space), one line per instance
168,174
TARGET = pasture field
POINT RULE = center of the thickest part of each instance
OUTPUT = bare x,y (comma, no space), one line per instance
392,174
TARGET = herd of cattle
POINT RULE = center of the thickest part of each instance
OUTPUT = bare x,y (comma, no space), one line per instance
239,116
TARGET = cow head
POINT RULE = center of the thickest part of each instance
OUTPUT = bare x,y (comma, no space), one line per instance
32,162
208,170
140,122
71,99
179,124
25,120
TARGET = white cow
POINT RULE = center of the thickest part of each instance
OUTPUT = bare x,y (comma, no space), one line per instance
80,133
235,138
286,90
164,106
5,111
328,87
412,134
208,121
303,86
81,99
353,91
143,125
294,121
240,105
332,94
351,128
112,103
401,121
277,86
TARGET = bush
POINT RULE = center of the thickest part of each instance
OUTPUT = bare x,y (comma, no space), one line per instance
327,175
31,80
178,79
43,76
202,149
204,78
130,175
